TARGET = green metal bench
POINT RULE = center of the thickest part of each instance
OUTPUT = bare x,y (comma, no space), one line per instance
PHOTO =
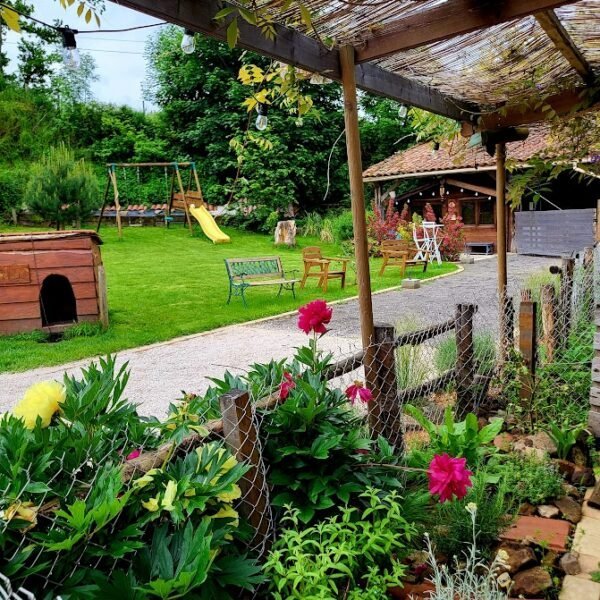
253,272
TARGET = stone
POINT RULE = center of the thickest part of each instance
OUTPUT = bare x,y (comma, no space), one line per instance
525,446
550,559
285,233
565,468
519,557
569,509
466,259
549,533
527,509
575,588
412,591
542,441
587,538
583,476
547,511
579,457
531,583
411,284
571,490
569,563
503,441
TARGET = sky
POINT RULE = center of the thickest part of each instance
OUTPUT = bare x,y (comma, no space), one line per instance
119,56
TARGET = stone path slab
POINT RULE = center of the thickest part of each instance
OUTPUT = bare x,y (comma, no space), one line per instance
574,588
549,533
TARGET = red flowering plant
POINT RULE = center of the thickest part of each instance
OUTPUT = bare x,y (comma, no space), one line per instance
452,240
382,226
449,477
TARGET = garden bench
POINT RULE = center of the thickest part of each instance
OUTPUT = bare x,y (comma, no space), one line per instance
396,253
487,247
253,272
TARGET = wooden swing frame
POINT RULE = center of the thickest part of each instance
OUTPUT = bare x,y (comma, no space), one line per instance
180,202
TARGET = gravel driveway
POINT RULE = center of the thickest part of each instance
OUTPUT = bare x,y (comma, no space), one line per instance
161,371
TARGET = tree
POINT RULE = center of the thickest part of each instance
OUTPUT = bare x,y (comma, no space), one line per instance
61,188
71,86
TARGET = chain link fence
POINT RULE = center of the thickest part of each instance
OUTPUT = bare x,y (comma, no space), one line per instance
526,352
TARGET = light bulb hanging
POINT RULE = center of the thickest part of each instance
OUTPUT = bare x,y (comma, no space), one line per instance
188,42
69,50
262,120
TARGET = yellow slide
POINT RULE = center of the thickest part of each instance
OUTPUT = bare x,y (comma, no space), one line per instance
209,225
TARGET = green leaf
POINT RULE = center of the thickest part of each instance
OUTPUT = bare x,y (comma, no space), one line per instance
232,33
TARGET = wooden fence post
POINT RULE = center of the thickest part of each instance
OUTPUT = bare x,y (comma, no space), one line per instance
102,296
389,412
241,437
566,293
465,365
527,342
549,318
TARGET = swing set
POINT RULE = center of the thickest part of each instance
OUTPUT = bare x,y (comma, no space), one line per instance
188,199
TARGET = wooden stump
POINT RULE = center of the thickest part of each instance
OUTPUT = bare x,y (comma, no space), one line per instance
285,233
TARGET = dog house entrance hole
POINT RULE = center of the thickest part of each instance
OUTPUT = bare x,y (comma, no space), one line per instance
57,301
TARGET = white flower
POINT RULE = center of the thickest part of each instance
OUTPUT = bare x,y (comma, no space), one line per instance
471,508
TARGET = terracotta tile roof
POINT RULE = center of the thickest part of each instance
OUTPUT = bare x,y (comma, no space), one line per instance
453,155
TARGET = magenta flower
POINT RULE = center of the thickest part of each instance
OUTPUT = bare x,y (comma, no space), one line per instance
449,477
133,455
314,316
286,386
357,391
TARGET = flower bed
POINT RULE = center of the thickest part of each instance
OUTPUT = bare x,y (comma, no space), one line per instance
99,502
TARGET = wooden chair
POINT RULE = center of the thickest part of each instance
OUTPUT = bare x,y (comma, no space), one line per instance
317,265
397,252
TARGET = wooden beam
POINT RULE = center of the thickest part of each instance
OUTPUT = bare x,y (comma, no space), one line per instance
295,48
501,220
446,21
471,186
568,102
554,29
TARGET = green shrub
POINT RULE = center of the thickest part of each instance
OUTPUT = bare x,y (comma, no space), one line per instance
61,188
12,187
342,225
531,479
271,222
312,224
326,234
356,554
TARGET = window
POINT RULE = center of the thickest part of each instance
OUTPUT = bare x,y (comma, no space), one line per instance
468,213
486,212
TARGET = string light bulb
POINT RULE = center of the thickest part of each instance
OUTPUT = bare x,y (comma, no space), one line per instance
69,50
188,42
262,120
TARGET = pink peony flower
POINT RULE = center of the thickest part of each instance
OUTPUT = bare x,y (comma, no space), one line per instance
449,477
133,455
357,391
314,316
286,386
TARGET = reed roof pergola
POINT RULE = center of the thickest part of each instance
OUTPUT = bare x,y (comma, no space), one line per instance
491,64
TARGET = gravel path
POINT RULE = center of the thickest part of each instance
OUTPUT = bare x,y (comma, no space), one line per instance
161,371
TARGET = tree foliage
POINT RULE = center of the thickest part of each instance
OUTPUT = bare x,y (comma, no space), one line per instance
61,188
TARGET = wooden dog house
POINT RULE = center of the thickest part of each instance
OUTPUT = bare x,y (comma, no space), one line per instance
50,280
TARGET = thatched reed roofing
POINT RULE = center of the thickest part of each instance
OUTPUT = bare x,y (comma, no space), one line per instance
501,64
453,156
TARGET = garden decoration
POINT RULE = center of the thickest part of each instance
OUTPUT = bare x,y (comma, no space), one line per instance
428,245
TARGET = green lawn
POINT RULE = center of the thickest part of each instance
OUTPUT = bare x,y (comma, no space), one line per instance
163,283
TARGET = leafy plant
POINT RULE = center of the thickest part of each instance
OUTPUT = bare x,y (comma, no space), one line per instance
484,350
564,438
312,225
382,225
356,553
458,439
531,479
472,577
343,228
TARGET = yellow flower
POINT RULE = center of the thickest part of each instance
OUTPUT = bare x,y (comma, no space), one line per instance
233,493
24,511
228,513
151,505
40,400
170,493
144,480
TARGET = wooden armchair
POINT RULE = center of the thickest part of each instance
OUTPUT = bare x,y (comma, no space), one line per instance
317,265
397,253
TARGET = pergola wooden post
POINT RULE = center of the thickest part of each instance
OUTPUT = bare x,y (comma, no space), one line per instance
501,241
361,249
